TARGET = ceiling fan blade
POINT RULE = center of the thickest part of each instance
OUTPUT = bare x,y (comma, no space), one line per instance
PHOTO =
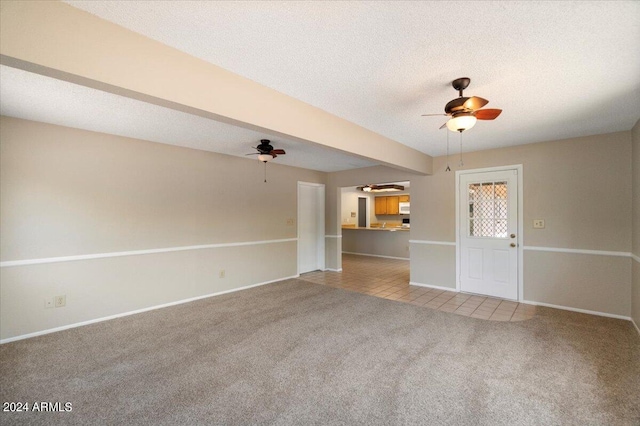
254,153
487,114
277,151
443,126
433,115
474,103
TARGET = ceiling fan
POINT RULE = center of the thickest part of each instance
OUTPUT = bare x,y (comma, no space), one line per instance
464,111
266,152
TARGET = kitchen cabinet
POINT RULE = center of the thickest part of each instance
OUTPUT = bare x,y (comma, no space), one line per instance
381,205
404,198
392,205
387,205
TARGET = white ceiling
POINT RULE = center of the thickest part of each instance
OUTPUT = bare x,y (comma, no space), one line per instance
557,69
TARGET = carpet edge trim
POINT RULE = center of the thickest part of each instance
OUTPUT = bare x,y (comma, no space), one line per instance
635,325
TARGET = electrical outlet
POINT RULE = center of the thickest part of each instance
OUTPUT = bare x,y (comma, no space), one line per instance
60,301
48,302
290,221
538,223
222,273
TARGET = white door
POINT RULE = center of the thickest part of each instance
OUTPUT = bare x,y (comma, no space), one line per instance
488,226
310,227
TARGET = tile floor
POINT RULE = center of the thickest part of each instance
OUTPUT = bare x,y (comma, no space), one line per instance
389,279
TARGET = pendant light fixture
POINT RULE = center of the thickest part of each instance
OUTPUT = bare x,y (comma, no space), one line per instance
465,111
461,122
381,188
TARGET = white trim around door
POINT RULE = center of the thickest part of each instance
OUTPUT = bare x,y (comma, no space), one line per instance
520,222
311,224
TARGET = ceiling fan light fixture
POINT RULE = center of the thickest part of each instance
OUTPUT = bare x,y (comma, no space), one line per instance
265,157
461,122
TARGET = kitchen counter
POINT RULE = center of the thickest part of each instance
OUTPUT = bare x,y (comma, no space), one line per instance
385,242
388,228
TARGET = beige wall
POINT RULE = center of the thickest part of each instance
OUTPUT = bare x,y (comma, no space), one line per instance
433,265
635,289
584,281
349,204
68,192
582,189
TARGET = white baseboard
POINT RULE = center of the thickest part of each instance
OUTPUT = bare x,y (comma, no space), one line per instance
432,286
582,311
138,311
333,270
376,255
635,325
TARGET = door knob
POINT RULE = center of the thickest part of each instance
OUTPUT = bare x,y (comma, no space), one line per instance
513,244
513,235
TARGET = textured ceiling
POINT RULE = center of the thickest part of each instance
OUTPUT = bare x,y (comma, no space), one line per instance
35,97
557,69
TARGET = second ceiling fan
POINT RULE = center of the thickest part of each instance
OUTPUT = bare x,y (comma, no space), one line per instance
265,151
464,111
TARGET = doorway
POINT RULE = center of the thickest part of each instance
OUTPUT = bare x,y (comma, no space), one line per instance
489,229
363,213
311,255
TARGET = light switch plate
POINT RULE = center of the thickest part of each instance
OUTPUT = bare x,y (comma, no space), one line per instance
538,223
60,301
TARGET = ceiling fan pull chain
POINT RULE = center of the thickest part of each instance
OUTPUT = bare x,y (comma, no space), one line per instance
461,163
265,171
448,168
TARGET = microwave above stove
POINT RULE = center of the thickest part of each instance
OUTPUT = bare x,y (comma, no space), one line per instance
404,208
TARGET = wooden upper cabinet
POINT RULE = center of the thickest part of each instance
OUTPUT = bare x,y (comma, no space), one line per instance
404,198
381,205
392,204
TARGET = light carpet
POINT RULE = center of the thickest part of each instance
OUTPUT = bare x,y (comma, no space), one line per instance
294,352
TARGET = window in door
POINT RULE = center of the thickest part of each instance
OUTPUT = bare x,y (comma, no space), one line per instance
488,209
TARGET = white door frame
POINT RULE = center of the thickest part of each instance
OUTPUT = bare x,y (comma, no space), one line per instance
321,219
520,239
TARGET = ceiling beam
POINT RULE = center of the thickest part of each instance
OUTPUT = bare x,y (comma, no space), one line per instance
60,41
